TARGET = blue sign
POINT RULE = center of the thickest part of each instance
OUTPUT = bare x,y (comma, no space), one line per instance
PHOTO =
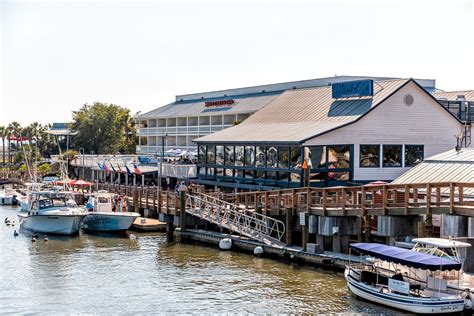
349,89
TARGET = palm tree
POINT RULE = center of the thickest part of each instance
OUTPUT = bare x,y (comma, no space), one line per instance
15,128
8,134
2,135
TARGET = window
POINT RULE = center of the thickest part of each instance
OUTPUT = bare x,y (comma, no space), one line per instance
202,154
295,157
271,157
369,156
271,175
295,177
229,155
414,154
260,157
249,156
211,157
392,155
318,156
229,172
339,156
261,174
283,158
219,155
143,141
202,170
250,174
239,156
282,176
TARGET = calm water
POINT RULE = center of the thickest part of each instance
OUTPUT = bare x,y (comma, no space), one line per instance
142,273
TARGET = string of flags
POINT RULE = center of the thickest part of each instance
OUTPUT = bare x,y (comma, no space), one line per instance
105,166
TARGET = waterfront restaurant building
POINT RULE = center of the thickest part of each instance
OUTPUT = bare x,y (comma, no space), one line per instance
191,116
344,134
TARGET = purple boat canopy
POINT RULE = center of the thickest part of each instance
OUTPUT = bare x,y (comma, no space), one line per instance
406,257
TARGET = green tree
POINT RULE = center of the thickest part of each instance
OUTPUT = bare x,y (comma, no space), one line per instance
104,129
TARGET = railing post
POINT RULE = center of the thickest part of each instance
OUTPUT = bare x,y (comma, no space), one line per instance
460,194
182,207
429,212
343,201
451,198
325,198
406,200
384,200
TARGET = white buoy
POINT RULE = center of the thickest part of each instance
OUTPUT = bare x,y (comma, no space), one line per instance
258,251
225,244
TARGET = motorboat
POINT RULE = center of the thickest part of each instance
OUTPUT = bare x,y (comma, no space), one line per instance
8,196
52,212
407,291
107,212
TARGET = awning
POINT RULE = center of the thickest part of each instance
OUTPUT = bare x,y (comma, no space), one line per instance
406,257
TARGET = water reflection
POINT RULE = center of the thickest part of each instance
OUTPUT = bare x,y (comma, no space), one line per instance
143,274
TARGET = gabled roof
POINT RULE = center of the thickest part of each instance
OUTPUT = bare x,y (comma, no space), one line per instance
452,95
297,115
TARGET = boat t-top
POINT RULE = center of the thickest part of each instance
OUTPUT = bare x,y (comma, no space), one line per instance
52,212
404,289
107,212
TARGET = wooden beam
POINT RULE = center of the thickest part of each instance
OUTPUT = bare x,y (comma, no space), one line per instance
451,198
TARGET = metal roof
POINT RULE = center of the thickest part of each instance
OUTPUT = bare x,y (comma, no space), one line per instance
243,104
453,95
297,115
450,166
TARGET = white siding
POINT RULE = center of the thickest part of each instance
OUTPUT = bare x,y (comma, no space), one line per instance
423,123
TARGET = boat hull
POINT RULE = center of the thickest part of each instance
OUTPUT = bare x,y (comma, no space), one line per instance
108,221
402,302
53,224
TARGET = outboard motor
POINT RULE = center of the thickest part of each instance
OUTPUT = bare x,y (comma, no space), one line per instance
14,200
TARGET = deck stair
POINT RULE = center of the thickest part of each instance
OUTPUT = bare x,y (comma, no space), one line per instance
237,219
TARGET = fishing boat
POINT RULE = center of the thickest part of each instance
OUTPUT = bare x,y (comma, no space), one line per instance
52,213
107,212
404,291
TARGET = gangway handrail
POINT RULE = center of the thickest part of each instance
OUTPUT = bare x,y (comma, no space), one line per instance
246,222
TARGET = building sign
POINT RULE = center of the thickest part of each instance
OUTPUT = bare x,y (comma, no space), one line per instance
220,103
349,89
302,219
399,286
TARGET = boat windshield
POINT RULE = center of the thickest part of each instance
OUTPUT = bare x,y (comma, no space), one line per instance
56,200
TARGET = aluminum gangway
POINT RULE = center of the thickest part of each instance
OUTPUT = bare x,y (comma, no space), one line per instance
237,219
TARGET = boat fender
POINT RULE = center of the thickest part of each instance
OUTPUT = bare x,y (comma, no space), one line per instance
225,244
468,300
258,251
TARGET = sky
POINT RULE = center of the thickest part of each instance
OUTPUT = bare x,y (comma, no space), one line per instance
59,55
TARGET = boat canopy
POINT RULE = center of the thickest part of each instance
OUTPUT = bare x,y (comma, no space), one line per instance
442,243
406,257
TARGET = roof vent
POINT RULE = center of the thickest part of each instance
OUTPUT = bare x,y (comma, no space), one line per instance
460,97
408,99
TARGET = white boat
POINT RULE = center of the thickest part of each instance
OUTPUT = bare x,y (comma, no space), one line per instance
52,213
108,213
404,291
8,196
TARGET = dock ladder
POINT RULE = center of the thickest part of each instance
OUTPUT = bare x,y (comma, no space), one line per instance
243,221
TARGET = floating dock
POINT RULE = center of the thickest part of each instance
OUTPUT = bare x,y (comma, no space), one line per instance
330,260
148,225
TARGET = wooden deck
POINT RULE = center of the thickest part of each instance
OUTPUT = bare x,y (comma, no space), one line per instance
394,200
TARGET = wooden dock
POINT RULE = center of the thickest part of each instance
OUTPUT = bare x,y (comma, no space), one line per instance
148,225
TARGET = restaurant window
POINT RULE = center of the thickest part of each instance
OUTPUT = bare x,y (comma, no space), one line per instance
317,156
271,175
272,157
249,174
239,156
211,158
210,171
295,177
260,157
282,176
202,170
414,154
219,155
283,153
295,157
249,156
317,177
338,176
229,155
339,156
239,173
202,154
392,155
369,156
143,141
